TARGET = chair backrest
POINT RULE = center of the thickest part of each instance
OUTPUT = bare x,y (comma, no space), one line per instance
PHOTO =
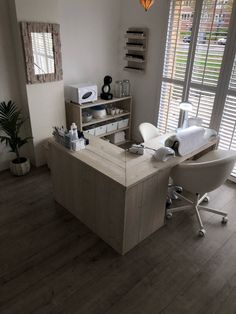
148,131
206,173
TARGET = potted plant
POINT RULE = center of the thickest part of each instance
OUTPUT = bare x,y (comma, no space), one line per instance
11,121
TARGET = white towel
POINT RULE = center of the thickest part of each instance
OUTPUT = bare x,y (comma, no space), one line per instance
190,139
210,134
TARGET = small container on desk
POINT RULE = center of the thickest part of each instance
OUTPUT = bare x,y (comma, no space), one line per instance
119,89
117,138
78,145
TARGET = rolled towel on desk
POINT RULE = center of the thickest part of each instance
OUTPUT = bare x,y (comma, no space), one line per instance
210,134
187,140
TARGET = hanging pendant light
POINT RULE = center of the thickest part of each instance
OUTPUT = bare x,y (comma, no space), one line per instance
146,4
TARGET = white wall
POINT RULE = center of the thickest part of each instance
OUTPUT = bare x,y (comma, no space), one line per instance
46,100
92,35
46,110
37,10
90,39
89,36
90,47
146,87
8,74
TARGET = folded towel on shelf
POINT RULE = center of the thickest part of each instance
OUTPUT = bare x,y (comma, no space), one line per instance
187,140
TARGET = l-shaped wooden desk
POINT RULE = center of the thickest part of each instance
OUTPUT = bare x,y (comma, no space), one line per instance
119,196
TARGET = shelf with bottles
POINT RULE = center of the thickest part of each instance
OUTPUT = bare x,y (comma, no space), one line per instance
71,139
136,49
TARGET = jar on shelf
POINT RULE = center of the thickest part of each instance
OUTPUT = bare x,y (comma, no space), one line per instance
126,88
119,89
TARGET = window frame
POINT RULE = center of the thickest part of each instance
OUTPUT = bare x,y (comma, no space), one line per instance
221,90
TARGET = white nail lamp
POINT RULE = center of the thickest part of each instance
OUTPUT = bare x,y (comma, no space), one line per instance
185,108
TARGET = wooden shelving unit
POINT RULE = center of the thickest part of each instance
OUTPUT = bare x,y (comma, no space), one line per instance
136,49
74,113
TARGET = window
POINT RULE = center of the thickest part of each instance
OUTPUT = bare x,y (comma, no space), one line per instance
227,130
171,94
193,60
187,3
187,16
219,18
196,66
176,57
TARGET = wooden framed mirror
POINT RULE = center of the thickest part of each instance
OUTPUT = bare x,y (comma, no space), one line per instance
42,50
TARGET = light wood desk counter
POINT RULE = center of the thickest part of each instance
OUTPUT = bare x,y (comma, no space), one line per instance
119,196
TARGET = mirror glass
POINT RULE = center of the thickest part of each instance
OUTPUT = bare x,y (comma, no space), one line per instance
42,45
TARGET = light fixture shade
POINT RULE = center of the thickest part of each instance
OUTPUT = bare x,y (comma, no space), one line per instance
183,116
186,106
146,4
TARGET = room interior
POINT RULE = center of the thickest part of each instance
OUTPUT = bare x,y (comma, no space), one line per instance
106,229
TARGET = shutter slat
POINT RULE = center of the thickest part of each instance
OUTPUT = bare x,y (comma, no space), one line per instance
209,53
176,51
227,130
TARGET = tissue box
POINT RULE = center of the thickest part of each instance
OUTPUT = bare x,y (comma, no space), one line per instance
78,145
117,138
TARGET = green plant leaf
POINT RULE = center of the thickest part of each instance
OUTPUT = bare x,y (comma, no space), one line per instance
11,120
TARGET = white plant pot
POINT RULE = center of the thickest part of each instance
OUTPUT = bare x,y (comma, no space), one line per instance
20,169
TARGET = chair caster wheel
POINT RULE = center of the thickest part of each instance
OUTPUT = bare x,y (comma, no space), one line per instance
169,216
168,203
224,220
206,199
202,233
179,189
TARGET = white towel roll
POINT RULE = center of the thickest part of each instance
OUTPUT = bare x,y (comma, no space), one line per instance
189,139
210,134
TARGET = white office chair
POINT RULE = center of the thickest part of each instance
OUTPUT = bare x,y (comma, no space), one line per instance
148,131
201,176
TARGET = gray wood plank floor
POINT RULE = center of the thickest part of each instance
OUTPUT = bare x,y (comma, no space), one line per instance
51,263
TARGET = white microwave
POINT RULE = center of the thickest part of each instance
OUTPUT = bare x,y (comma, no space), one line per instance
83,93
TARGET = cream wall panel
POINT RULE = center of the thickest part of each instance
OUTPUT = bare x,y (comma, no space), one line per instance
47,109
46,100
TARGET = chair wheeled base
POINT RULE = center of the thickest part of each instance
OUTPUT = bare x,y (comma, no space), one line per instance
196,206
